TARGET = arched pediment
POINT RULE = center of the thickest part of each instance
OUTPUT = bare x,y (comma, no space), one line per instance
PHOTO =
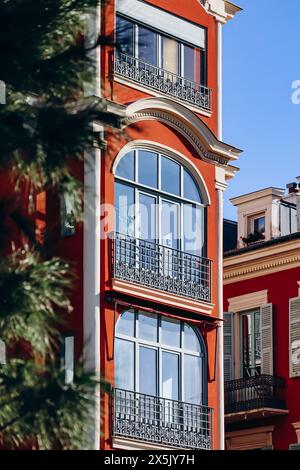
187,123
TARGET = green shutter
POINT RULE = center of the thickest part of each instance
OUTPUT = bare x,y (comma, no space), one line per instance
228,346
294,337
266,324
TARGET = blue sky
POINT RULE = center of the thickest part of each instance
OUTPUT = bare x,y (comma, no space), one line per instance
261,59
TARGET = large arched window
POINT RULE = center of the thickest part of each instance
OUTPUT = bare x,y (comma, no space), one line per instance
160,356
157,199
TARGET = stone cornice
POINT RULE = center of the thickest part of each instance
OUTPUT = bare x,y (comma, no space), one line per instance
256,264
222,10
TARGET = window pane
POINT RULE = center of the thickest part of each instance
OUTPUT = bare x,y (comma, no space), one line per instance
189,62
170,176
124,209
147,45
169,227
147,217
148,326
148,371
193,379
125,35
170,331
125,325
125,168
191,341
259,225
124,364
193,229
148,168
170,375
170,55
190,190
247,345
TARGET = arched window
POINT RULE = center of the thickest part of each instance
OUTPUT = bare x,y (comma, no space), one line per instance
157,199
160,356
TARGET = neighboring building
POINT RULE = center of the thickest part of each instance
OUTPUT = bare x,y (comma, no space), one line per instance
148,314
262,323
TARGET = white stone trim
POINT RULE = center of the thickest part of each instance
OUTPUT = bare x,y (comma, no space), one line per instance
187,123
163,21
248,301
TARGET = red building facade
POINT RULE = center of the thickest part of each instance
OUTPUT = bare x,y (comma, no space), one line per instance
261,296
148,307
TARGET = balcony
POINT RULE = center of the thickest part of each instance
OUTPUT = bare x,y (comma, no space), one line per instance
162,81
156,266
254,397
161,421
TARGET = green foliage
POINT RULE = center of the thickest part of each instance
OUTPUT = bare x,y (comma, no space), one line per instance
32,292
37,406
45,127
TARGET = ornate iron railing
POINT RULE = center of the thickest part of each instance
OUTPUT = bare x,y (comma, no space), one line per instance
161,421
261,391
162,81
157,266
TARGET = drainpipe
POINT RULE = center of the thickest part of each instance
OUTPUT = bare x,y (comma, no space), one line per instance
91,247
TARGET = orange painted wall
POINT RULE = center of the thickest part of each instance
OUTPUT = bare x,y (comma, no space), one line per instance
161,134
190,10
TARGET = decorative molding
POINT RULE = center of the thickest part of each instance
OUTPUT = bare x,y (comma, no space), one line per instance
261,262
248,301
185,130
125,287
262,269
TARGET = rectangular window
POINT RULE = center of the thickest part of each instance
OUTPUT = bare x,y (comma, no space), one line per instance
170,55
156,49
125,35
68,215
259,224
147,45
251,343
68,358
124,361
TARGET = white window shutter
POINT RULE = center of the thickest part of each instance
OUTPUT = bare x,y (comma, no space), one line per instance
266,325
294,337
228,346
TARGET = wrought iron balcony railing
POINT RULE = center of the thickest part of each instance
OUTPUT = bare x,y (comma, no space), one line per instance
162,81
159,420
261,391
159,267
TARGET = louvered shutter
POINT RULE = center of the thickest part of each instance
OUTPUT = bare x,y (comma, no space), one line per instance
266,326
294,337
228,346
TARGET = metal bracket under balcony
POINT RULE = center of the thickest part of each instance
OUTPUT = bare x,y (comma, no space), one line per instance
161,421
159,267
254,397
162,81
